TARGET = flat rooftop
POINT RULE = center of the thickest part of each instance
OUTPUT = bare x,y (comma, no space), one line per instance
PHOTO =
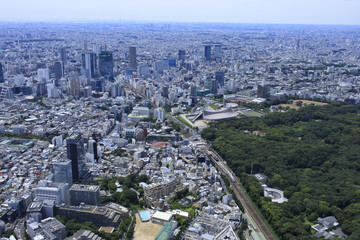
88,188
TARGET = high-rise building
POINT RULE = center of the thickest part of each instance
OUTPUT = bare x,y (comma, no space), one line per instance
161,65
193,94
92,148
63,55
208,52
213,86
58,70
217,51
220,77
43,74
57,192
63,172
88,64
1,74
76,153
132,58
106,64
165,91
159,114
182,55
74,84
88,194
143,70
263,90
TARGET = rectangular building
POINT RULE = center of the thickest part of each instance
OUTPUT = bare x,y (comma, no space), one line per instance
87,194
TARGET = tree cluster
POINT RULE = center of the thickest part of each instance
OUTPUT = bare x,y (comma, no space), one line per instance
312,154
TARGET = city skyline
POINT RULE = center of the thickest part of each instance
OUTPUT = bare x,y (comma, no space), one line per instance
333,12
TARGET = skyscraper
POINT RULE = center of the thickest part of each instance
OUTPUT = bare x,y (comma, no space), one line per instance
63,172
217,51
63,55
208,52
263,90
1,74
182,55
88,64
165,91
43,74
132,58
213,86
74,84
92,148
58,70
193,94
106,64
76,153
220,77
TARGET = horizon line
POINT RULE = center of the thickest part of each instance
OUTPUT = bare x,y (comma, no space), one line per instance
119,21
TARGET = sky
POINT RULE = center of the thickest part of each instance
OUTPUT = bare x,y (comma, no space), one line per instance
338,12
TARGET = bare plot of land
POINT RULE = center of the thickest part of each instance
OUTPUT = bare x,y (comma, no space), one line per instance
145,230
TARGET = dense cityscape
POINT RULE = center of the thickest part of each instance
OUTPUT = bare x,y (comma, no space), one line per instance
113,130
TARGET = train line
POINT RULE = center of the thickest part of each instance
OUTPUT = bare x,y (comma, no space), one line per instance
235,186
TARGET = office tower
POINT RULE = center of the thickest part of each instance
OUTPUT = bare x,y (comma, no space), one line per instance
58,70
1,74
63,55
47,190
88,194
92,148
213,86
217,51
76,153
98,85
220,77
208,52
165,91
43,74
193,94
161,65
88,64
85,46
87,92
182,55
132,58
171,62
106,64
144,70
74,84
263,90
41,89
159,114
63,172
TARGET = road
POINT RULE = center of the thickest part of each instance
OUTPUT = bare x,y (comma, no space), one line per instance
235,186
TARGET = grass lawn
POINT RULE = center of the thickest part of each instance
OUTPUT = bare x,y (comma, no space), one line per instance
184,121
254,114
306,102
214,106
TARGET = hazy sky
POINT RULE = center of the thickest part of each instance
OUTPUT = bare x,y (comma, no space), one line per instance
240,11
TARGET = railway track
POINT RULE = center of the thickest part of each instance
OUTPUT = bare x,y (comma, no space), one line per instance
235,186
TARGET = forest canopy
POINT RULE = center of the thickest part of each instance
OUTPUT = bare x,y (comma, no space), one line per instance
312,154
